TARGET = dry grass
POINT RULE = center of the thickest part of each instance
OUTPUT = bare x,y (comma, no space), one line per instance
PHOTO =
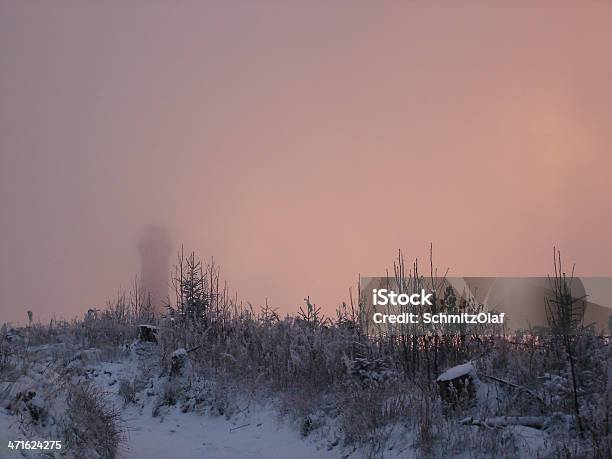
92,423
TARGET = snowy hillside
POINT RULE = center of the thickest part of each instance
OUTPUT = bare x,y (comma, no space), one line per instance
144,409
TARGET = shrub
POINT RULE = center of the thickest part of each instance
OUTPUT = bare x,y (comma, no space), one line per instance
127,391
92,422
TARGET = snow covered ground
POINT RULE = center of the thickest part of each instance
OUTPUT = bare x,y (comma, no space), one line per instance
258,435
189,435
206,419
256,431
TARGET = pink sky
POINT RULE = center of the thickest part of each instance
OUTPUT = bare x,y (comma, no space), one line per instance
298,145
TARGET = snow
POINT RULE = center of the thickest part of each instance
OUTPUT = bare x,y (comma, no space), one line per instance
529,440
257,435
257,432
188,423
193,435
8,431
180,352
458,371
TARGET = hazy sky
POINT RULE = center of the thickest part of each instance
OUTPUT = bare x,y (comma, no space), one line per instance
298,145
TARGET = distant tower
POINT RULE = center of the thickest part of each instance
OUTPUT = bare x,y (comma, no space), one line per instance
155,248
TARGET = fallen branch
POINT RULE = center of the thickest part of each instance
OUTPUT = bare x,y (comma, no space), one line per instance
194,349
497,422
239,427
517,387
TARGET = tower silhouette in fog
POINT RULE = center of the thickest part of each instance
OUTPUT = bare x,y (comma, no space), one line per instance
155,247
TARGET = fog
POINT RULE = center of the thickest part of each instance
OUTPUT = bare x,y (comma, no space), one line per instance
298,145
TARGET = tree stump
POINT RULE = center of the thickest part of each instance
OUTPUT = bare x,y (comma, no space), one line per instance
148,333
457,385
180,366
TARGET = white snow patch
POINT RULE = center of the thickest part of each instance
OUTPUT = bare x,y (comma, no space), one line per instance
531,441
458,371
256,435
179,352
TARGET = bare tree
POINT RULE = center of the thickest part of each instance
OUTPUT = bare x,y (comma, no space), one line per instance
565,317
